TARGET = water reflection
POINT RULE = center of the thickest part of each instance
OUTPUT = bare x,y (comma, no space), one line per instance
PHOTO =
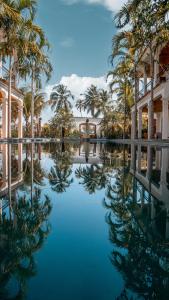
135,184
23,220
138,207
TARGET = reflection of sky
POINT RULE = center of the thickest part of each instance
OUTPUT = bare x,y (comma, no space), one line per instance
76,254
74,261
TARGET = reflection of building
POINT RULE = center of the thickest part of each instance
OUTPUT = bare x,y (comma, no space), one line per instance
10,168
87,153
161,96
88,127
150,167
16,105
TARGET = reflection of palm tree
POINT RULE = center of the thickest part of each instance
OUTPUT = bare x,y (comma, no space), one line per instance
142,254
93,177
20,238
59,176
59,179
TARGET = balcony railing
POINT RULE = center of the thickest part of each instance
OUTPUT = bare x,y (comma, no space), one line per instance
159,79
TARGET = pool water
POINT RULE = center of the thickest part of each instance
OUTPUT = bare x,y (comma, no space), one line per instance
84,221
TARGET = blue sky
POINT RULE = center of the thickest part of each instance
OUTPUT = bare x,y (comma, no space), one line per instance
80,34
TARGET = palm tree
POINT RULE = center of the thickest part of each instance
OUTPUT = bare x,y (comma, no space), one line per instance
60,98
60,101
59,179
80,105
14,40
39,105
91,100
122,86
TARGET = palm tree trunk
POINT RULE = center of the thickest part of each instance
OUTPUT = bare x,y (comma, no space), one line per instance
32,106
9,96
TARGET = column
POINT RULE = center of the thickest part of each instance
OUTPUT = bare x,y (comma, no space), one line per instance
133,129
20,116
149,162
5,118
140,123
165,117
5,163
133,158
145,79
139,159
149,120
158,122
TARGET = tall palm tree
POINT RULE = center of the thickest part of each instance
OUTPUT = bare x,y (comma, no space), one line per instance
60,98
91,100
60,101
80,105
122,86
39,105
13,40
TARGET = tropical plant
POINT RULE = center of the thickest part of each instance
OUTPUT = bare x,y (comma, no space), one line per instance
91,100
80,105
60,98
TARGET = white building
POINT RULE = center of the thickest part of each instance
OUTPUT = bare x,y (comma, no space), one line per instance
161,95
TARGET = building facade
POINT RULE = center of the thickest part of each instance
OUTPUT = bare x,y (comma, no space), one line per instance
160,97
88,127
16,106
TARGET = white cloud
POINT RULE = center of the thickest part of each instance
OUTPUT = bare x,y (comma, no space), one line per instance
67,42
77,85
112,5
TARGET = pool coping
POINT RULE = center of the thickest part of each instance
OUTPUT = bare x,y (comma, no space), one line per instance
58,140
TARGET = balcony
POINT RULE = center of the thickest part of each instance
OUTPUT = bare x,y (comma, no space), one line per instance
4,77
160,79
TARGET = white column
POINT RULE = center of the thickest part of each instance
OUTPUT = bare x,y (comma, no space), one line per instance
149,162
165,118
20,116
158,124
140,123
4,118
132,125
145,79
139,159
149,123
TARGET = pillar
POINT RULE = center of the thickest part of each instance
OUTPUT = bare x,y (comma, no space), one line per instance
158,122
165,119
20,116
145,79
149,120
140,123
133,129
5,163
5,118
149,162
139,158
